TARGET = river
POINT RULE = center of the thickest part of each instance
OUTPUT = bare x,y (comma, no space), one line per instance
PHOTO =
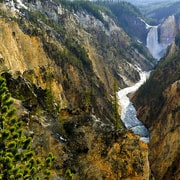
128,112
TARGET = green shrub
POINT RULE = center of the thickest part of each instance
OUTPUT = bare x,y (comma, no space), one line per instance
16,154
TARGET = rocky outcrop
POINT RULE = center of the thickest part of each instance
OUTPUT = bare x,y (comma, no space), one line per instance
158,105
40,51
86,148
165,142
61,71
114,162
135,27
167,31
130,19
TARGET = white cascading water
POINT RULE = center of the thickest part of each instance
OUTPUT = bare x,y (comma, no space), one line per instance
128,112
11,3
155,48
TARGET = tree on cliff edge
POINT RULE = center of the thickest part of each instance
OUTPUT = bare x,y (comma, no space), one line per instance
17,159
116,116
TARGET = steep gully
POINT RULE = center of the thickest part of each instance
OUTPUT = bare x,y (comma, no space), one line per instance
128,112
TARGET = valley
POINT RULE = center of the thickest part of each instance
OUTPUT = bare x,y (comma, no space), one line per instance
78,71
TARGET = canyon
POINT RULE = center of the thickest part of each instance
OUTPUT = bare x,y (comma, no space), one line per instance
64,64
163,94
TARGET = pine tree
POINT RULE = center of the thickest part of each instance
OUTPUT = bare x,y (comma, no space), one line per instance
17,159
116,117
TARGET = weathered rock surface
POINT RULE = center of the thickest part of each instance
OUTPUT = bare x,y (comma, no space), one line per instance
40,54
158,104
168,30
61,72
165,142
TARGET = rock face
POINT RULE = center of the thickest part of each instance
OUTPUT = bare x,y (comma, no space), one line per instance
165,142
130,18
136,28
158,104
168,31
61,69
50,54
114,162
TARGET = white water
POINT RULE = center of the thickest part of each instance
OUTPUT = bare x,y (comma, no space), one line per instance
21,4
128,112
11,3
155,48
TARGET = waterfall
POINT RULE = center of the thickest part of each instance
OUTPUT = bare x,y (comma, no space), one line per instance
155,48
152,42
128,112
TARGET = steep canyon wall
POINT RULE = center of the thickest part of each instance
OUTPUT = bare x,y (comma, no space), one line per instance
61,74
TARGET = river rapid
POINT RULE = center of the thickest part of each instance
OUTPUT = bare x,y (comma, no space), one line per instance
128,112
157,50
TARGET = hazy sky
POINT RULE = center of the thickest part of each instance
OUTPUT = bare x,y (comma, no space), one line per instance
149,1
146,2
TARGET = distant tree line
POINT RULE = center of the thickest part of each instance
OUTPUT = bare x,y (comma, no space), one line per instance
108,1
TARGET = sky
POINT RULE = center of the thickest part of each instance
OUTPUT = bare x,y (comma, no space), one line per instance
149,1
